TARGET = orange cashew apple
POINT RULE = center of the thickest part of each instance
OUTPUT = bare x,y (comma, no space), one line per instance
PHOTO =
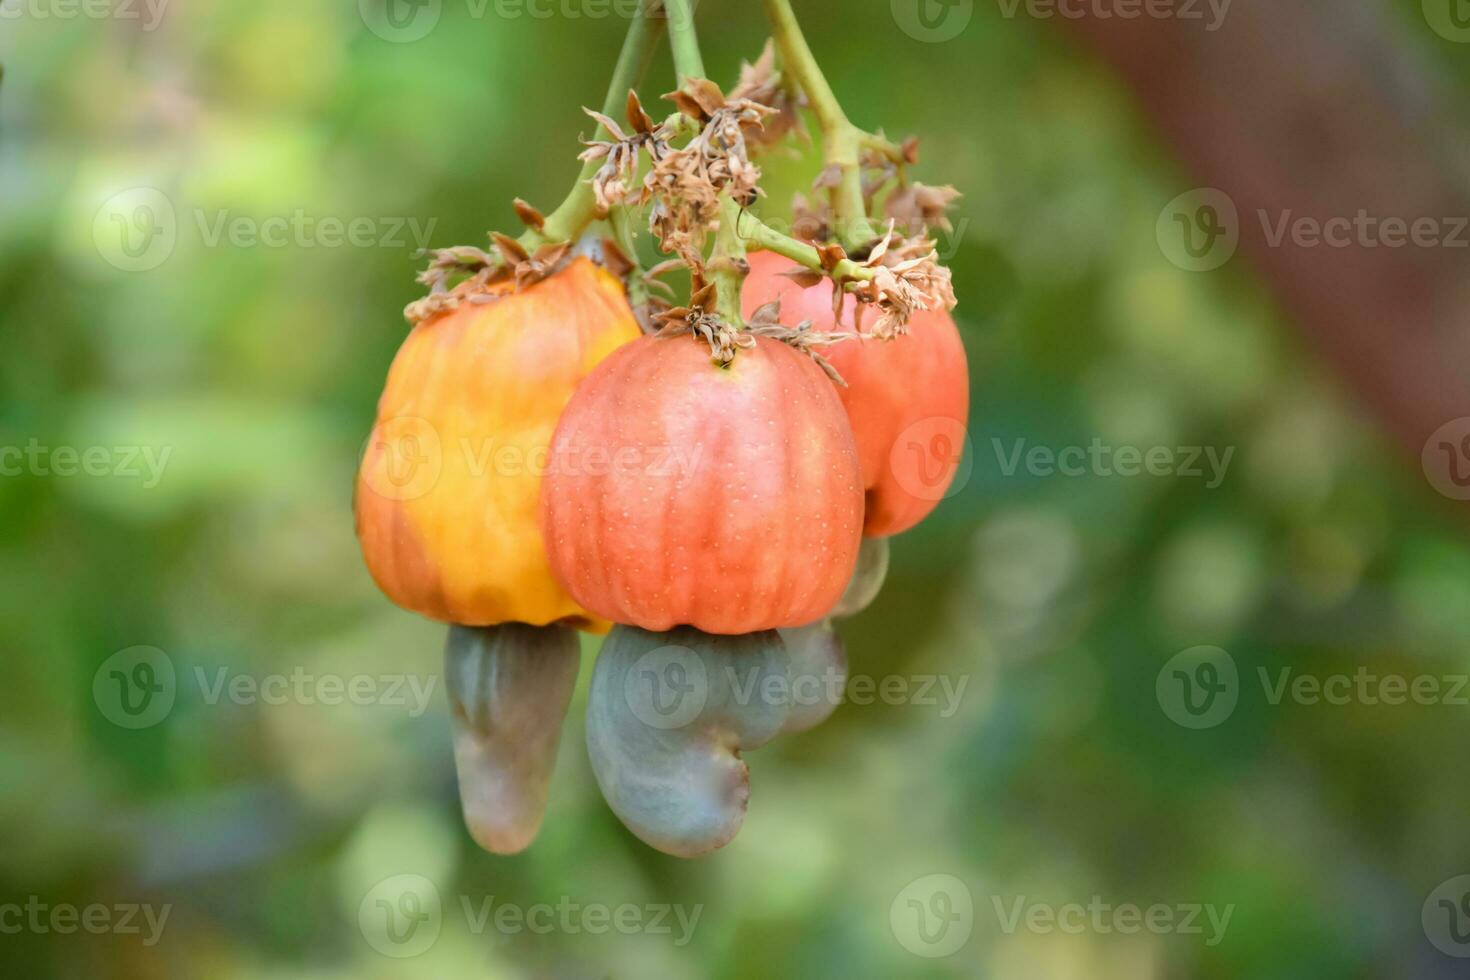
908,399
449,487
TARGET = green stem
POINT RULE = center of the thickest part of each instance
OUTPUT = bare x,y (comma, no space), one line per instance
688,61
842,142
622,232
727,266
755,233
579,209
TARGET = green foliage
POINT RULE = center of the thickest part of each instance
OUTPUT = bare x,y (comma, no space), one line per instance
1055,600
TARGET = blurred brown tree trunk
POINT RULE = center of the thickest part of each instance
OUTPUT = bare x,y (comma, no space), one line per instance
1312,108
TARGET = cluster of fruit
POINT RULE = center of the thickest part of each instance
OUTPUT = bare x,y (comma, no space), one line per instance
545,461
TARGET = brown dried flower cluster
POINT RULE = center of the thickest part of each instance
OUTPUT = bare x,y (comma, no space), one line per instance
763,84
766,322
616,180
447,266
465,274
907,277
700,319
918,207
686,183
725,340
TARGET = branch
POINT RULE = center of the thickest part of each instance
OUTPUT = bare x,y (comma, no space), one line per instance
842,142
579,209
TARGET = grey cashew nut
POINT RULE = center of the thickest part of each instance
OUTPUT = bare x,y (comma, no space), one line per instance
818,658
509,689
667,717
818,674
867,578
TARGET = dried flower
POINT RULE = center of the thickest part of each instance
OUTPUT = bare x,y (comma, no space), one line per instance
761,83
919,206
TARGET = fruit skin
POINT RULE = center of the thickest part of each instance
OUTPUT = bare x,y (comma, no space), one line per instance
449,487
730,499
900,394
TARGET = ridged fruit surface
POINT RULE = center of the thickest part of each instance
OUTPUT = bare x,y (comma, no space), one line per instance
908,399
682,493
449,487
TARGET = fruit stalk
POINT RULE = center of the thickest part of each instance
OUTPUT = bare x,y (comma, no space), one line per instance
688,61
842,142
756,235
579,208
727,265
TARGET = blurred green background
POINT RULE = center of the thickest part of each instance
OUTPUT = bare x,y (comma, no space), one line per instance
1059,777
